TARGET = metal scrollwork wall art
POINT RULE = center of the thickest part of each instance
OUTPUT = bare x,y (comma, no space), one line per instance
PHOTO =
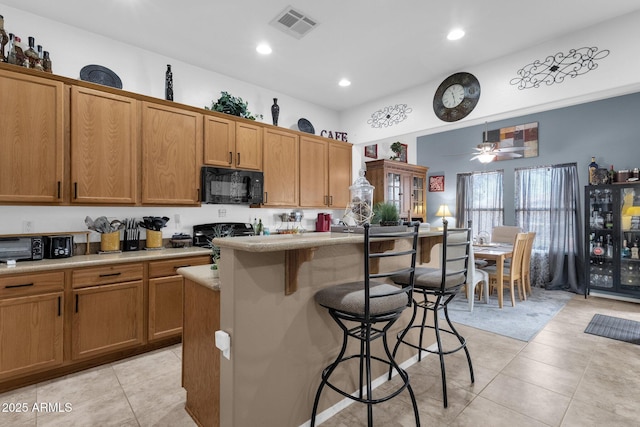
555,68
389,116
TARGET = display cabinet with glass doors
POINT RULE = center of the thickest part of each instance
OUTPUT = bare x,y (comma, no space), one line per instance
612,239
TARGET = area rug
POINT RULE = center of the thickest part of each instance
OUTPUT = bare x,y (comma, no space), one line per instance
521,322
614,328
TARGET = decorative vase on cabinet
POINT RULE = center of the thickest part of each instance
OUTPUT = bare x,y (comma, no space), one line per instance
275,111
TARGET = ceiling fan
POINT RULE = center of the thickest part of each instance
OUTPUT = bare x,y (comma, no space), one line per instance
488,151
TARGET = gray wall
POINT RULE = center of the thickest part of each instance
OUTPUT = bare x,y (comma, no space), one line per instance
608,129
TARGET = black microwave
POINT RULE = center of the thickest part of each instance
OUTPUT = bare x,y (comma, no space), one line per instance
231,186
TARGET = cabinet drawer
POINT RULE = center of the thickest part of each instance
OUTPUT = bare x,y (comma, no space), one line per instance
29,284
105,275
169,267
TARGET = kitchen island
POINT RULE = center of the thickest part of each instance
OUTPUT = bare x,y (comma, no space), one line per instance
280,338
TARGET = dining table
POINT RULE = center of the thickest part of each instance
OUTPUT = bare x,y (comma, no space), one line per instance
498,252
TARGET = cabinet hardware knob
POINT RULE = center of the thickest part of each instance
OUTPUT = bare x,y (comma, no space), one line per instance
237,159
76,303
59,308
75,190
330,200
110,274
175,267
230,158
59,184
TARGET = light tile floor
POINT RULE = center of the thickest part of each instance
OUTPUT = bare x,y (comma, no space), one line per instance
563,377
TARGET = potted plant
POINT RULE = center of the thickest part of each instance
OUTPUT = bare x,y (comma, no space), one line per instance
236,106
218,231
396,147
386,214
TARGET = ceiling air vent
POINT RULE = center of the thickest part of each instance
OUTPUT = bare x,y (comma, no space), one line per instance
294,22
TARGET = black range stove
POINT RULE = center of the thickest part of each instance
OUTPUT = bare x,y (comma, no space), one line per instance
203,233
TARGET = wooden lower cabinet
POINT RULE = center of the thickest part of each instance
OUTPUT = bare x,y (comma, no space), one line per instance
30,333
107,318
200,357
165,296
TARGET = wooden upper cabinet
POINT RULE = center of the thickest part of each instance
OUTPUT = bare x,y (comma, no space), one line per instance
31,139
325,173
231,144
314,168
171,155
280,166
104,146
339,174
248,146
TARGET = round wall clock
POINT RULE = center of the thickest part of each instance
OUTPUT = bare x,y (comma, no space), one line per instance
456,97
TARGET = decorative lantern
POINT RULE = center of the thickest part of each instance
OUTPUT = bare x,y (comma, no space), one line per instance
360,209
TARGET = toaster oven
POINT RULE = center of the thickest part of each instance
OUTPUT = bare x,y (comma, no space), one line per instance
20,248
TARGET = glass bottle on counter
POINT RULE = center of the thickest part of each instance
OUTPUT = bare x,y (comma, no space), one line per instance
612,175
11,52
168,84
17,45
4,39
626,252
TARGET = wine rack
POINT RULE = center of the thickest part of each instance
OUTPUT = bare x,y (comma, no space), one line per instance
612,230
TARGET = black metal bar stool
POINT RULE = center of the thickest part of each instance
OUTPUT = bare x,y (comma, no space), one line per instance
374,306
442,284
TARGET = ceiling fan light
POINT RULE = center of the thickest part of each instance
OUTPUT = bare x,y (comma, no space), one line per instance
486,157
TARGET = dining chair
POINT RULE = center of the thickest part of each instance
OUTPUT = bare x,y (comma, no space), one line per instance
513,272
374,305
526,262
476,276
504,233
441,285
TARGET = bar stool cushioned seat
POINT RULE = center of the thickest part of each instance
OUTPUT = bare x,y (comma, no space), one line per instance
365,310
433,290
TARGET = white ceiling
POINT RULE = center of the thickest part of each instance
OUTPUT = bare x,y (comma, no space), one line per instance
382,46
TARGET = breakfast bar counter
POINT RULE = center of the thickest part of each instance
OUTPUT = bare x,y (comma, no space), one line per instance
280,341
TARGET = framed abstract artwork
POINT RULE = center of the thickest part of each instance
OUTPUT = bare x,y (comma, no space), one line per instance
371,151
436,183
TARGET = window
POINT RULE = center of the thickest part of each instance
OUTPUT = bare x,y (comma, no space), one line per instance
533,203
480,200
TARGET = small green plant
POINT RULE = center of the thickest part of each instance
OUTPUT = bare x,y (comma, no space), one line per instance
218,231
236,106
396,147
385,213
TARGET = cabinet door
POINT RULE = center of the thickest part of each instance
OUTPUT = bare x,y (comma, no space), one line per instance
248,153
418,197
31,139
171,155
107,318
103,147
30,333
219,141
280,168
314,191
165,307
339,175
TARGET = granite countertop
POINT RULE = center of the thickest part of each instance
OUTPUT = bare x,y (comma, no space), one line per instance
282,242
202,275
77,261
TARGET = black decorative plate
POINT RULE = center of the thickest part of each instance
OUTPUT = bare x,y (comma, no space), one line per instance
101,75
305,126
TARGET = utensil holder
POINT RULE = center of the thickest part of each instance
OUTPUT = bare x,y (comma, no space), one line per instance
110,242
154,239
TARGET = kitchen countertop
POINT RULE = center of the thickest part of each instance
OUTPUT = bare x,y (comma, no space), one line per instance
101,259
282,242
202,275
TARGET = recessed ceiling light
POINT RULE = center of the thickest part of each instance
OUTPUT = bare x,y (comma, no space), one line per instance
344,82
264,49
455,34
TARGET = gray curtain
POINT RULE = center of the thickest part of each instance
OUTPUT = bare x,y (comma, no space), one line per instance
479,200
547,201
565,250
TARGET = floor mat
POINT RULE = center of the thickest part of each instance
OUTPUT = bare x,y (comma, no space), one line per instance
614,328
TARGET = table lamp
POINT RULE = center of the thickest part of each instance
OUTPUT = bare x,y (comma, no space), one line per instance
443,211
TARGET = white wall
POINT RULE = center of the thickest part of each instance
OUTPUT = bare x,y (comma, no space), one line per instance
616,75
